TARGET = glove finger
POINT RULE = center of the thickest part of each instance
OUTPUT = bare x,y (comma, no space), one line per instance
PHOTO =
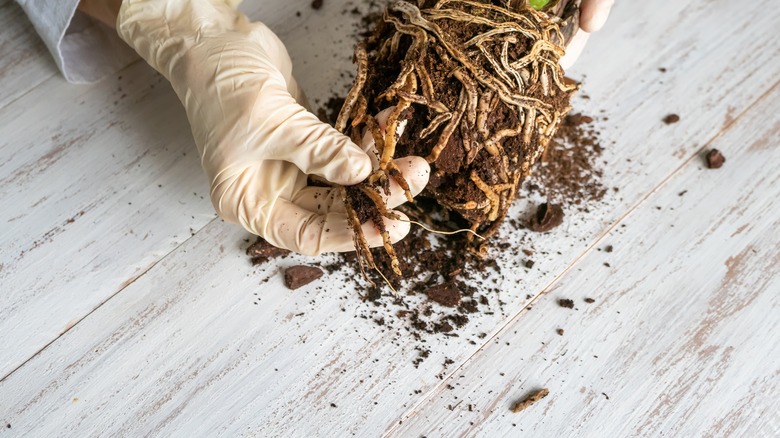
397,229
305,232
574,49
415,170
594,14
316,148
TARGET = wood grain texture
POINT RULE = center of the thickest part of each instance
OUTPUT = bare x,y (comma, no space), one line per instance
23,57
682,337
183,349
95,195
103,180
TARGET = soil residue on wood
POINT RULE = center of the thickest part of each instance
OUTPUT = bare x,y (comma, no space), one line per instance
435,267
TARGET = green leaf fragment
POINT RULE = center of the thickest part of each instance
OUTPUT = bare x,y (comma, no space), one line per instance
538,4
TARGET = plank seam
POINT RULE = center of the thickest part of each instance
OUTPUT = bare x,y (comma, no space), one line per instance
412,411
110,297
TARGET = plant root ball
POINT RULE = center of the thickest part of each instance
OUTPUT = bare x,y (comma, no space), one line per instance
479,84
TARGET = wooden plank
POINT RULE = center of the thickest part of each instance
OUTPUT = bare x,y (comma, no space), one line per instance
112,183
98,194
24,59
682,337
185,340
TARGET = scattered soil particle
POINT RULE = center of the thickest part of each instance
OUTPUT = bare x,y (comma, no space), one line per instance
715,159
529,264
530,400
333,405
605,395
560,331
609,248
316,4
262,251
567,173
301,275
590,300
446,294
548,216
567,303
671,119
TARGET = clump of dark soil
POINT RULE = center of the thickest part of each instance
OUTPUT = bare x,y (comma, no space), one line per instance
262,251
446,280
671,119
715,159
301,275
480,90
567,303
567,173
547,217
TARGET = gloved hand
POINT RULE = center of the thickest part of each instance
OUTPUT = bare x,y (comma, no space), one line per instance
257,142
593,16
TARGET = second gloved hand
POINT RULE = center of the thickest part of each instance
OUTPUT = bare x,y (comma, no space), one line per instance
257,142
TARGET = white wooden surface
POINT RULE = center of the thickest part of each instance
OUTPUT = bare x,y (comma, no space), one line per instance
139,315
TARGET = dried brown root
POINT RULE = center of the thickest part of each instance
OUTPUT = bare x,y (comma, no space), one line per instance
509,66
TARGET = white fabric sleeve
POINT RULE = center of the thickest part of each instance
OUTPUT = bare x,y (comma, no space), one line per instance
84,49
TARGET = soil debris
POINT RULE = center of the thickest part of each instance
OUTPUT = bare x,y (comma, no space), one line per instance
446,294
715,159
567,303
568,173
671,119
530,400
548,216
261,251
301,275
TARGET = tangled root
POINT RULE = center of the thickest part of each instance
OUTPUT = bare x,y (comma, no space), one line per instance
482,79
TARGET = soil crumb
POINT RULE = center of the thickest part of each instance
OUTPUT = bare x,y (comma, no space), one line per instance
567,303
548,216
671,119
715,159
446,294
261,251
301,275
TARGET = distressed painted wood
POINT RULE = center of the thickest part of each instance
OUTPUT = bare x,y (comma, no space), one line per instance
100,182
24,61
183,348
682,339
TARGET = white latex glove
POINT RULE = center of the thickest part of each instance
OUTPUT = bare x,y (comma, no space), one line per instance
256,140
593,16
